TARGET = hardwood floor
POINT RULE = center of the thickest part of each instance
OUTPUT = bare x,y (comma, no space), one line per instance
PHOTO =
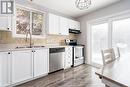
81,76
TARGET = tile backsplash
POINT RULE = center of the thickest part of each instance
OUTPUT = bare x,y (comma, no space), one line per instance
6,38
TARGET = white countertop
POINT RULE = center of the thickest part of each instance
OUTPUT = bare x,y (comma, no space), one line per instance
7,47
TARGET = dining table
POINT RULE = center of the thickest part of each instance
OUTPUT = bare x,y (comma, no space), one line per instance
116,73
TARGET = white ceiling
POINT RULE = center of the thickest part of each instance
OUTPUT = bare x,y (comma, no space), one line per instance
68,7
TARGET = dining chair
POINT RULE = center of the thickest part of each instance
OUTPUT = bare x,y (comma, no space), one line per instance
108,56
116,52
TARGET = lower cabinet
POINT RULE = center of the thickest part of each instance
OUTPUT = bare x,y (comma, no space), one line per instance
41,62
68,57
5,69
21,65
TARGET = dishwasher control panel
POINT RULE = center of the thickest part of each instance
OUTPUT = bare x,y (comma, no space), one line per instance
56,50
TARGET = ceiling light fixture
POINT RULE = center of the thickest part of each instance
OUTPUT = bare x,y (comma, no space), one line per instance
83,4
30,0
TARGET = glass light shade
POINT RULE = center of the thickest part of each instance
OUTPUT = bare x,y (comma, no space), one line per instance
83,4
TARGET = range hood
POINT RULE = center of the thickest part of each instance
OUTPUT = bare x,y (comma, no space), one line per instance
74,31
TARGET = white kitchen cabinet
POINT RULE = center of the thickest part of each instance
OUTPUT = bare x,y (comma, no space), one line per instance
21,65
5,58
64,30
6,23
74,24
41,62
58,25
77,25
68,57
53,24
71,24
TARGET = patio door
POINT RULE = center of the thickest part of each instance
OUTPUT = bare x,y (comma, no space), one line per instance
99,41
121,35
112,33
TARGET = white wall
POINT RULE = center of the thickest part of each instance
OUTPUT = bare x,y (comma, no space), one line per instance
121,6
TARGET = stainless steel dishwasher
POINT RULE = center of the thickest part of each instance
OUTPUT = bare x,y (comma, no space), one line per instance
56,58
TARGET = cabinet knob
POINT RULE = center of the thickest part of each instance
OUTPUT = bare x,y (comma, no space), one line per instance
76,57
7,28
33,51
8,52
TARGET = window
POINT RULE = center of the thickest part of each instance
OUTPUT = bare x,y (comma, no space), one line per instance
37,23
22,21
29,21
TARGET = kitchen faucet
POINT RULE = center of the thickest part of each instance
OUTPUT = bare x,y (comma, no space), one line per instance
30,38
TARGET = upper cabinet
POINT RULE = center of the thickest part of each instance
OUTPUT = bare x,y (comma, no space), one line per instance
60,25
6,14
53,24
74,24
28,21
64,26
6,22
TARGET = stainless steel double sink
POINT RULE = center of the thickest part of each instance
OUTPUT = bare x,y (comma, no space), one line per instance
20,47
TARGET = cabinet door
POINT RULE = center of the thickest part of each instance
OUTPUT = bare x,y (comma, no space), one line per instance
21,66
71,24
41,62
77,25
68,57
64,29
74,25
6,23
53,24
4,69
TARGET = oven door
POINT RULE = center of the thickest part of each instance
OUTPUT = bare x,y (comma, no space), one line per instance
78,58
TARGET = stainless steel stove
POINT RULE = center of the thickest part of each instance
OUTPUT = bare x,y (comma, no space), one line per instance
78,52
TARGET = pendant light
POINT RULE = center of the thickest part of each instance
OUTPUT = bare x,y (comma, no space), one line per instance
83,4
